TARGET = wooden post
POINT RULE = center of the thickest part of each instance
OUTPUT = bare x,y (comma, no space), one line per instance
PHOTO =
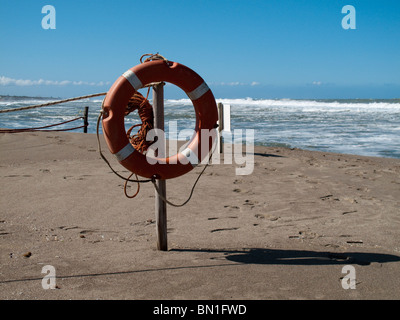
85,119
160,205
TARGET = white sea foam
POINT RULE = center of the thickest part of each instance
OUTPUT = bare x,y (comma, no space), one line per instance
304,105
23,102
363,127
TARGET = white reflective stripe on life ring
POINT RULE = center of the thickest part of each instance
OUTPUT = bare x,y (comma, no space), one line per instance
133,79
125,152
198,92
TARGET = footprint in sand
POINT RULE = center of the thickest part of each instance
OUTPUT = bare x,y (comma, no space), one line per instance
223,229
266,216
231,207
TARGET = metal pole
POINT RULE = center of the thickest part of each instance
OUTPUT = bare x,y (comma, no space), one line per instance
160,205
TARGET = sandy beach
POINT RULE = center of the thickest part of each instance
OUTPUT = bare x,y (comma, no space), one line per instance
283,232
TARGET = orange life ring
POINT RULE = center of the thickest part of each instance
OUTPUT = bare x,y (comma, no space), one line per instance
113,122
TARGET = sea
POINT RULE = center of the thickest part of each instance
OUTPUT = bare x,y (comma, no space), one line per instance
366,127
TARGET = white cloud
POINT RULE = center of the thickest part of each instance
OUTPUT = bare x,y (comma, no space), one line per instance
317,83
235,83
5,81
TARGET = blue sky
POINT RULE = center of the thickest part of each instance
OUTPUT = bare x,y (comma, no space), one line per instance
260,49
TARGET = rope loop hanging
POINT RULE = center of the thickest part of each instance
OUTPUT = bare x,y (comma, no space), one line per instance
151,57
145,111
